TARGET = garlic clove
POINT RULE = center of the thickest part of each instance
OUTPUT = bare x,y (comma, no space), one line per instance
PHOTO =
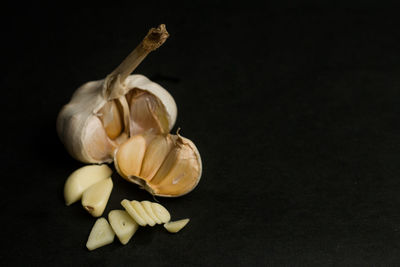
112,119
123,225
142,213
156,152
132,212
101,234
170,165
176,226
82,179
161,213
132,161
147,207
95,198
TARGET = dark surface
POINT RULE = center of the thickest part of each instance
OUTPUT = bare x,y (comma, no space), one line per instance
294,111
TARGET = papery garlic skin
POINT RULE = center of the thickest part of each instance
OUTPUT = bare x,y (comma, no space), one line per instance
82,131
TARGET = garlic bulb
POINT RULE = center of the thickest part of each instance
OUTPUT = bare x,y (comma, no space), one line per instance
127,119
103,114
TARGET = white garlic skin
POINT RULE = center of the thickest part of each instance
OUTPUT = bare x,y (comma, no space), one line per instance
77,122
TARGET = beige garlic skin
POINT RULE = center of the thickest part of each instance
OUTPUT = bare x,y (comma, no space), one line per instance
81,129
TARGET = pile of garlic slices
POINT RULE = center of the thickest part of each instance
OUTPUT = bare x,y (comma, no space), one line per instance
126,119
93,185
121,223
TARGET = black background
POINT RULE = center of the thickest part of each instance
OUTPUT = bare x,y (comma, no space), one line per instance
294,110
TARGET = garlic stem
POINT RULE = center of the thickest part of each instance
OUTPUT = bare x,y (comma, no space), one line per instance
153,40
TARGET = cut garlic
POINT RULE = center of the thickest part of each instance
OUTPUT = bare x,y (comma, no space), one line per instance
103,114
146,213
95,198
161,213
165,165
176,226
82,179
133,213
123,225
101,234
149,210
137,206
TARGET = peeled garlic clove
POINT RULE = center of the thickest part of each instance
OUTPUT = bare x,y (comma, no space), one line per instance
103,114
123,225
165,165
95,198
101,234
176,226
83,178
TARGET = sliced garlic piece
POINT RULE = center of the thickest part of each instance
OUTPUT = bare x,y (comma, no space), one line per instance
101,234
161,212
132,212
176,226
170,165
82,179
146,212
123,225
95,198
149,210
142,213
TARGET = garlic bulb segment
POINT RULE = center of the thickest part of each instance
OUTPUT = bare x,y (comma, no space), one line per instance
101,234
176,226
123,225
82,179
95,198
103,114
164,164
146,213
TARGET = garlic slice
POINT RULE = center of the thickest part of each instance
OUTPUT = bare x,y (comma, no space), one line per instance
101,234
165,165
123,225
142,212
145,212
82,179
147,205
176,226
132,212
